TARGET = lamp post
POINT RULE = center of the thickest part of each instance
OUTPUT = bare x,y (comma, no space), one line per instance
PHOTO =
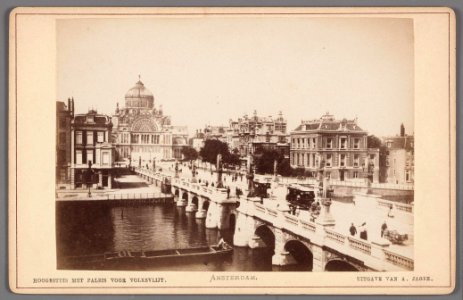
89,177
193,172
176,169
219,171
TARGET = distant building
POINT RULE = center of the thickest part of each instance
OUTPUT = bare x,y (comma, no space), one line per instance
197,141
251,134
91,147
400,167
143,133
64,116
338,147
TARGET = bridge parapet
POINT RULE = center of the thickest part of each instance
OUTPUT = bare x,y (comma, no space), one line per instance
408,208
212,193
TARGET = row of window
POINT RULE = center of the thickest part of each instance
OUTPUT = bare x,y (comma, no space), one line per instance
90,137
311,143
313,160
84,156
144,138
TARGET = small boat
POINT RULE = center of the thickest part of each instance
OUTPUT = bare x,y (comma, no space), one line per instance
136,260
173,254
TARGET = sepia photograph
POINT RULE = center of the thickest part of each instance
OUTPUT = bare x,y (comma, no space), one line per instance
244,151
232,150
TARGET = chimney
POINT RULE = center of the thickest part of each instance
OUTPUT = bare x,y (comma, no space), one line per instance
72,107
402,130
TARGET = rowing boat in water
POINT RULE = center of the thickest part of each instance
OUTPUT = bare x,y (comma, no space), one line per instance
136,260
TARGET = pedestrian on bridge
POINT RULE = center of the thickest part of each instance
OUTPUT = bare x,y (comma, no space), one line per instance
363,231
383,228
352,230
228,192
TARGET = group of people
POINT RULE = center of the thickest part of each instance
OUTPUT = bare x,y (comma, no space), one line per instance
362,230
363,234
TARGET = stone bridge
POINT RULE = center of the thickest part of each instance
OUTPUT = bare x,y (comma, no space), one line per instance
209,202
294,240
318,245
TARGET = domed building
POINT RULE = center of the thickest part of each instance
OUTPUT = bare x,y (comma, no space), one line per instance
143,133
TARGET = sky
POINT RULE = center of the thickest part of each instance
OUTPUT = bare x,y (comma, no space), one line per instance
206,70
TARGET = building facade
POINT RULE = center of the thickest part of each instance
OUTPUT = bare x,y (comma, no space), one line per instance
92,153
251,134
400,166
336,147
142,133
64,116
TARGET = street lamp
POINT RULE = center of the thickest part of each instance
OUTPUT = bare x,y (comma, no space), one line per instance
89,177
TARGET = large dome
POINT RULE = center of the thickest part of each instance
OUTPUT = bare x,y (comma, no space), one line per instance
139,97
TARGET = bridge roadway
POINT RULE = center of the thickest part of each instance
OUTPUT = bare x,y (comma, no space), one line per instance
327,245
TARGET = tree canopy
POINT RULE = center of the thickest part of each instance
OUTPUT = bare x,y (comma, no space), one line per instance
212,148
374,142
264,162
189,153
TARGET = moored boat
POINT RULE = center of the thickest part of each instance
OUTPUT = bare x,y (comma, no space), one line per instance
135,260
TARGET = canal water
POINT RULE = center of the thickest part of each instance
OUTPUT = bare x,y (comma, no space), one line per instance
92,228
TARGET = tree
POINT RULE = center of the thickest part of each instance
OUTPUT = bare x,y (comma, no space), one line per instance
375,142
189,153
212,148
264,161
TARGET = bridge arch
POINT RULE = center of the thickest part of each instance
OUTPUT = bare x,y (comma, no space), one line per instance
205,205
266,235
176,193
195,200
339,265
301,253
185,196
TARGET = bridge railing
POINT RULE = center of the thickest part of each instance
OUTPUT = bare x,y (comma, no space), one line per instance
335,236
359,245
348,183
399,260
136,196
397,205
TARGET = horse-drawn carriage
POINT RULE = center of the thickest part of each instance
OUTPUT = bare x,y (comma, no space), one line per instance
395,237
301,196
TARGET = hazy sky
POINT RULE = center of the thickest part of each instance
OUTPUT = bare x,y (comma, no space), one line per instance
206,70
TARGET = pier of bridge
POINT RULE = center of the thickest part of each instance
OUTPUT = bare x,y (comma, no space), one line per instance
210,203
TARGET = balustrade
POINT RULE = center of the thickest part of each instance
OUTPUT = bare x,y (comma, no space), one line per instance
335,236
359,245
399,260
291,219
308,225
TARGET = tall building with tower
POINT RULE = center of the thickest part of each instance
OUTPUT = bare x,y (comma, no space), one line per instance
142,133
